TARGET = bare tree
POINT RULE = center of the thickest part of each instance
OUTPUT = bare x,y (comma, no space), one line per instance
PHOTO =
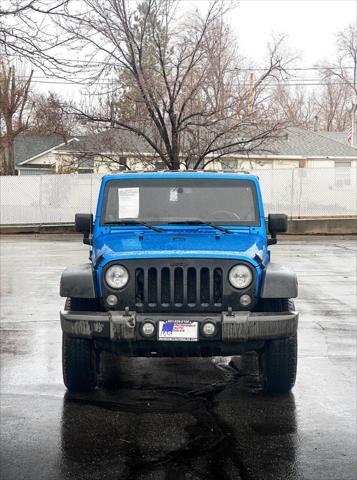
178,82
345,73
14,113
332,104
298,107
329,107
28,32
50,116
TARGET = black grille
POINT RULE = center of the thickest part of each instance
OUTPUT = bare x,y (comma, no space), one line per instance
178,286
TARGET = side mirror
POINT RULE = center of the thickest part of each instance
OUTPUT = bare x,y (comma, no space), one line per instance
84,224
277,223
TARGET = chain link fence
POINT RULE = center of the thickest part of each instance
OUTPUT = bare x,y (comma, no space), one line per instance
298,192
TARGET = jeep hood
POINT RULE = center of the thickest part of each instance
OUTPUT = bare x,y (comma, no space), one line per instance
179,244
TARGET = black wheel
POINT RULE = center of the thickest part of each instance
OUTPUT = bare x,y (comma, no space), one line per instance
78,363
79,358
278,361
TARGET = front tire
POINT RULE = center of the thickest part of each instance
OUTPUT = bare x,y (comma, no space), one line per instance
79,358
278,361
78,363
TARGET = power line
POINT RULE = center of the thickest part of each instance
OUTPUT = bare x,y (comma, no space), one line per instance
86,79
110,83
243,69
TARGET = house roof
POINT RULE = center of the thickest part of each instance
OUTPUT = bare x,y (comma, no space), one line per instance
110,141
341,137
41,154
298,142
28,146
306,143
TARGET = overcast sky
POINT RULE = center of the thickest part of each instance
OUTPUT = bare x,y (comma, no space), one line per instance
310,25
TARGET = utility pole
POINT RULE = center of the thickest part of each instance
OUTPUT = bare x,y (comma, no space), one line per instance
354,135
112,111
251,93
2,148
353,110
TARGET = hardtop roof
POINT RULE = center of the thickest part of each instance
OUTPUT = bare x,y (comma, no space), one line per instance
181,174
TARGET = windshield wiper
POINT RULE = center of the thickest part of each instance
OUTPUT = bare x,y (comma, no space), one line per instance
201,222
135,222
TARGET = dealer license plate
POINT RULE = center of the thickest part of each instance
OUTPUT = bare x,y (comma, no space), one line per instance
178,331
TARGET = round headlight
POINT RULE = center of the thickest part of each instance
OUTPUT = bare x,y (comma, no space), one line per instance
240,276
117,276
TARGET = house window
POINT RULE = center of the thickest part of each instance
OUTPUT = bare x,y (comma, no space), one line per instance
342,174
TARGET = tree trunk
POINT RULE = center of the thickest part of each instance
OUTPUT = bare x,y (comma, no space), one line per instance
174,164
175,160
10,164
2,157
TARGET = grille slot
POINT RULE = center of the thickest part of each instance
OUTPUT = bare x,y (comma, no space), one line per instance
178,286
165,287
139,286
204,286
191,286
152,286
217,285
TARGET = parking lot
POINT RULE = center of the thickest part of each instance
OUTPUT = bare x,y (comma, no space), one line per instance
177,418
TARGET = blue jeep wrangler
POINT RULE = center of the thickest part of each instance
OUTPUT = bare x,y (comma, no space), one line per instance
179,266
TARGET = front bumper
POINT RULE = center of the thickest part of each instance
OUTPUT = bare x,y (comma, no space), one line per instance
236,331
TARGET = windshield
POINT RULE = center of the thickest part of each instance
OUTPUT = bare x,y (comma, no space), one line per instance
172,200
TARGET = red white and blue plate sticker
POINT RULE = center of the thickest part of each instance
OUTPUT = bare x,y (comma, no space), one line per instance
178,331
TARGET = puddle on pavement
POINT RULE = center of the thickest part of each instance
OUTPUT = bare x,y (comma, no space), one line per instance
207,449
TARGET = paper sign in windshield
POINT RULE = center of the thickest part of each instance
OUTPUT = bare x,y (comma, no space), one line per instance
173,195
128,202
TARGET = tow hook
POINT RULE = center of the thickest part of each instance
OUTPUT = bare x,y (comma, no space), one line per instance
130,319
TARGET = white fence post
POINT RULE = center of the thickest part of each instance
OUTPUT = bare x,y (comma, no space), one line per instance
292,193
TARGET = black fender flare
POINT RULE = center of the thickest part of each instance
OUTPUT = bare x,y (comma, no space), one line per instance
78,282
279,281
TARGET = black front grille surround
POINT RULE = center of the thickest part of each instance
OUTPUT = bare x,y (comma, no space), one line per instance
179,285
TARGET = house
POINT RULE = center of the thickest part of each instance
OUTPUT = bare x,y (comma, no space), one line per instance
35,154
119,149
111,150
300,148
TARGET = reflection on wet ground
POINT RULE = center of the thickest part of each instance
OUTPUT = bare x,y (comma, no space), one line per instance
202,444
176,418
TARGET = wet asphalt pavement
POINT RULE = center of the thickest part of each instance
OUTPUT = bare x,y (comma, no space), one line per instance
183,419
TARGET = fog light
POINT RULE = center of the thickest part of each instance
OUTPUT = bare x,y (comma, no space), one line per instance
148,329
112,300
245,300
209,329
